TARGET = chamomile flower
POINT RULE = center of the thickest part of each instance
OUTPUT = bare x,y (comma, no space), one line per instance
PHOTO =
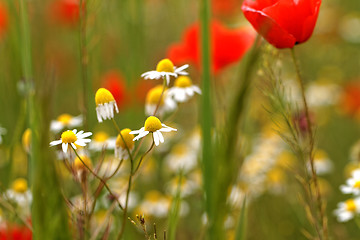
120,148
65,121
154,126
102,140
322,163
2,132
79,165
181,158
166,104
352,184
348,209
165,69
72,137
183,89
19,193
105,104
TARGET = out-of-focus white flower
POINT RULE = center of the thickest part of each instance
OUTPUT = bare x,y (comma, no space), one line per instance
347,210
349,28
2,132
153,102
322,163
155,204
321,95
65,121
19,193
101,140
165,69
181,158
183,89
187,186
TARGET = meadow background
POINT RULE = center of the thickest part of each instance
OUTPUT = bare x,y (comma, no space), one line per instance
122,40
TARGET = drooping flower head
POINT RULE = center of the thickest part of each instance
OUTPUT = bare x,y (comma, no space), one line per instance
153,125
183,89
105,104
156,97
72,137
120,147
283,23
228,46
165,69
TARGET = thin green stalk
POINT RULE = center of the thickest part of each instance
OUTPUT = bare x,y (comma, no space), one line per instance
175,208
84,60
207,116
98,177
320,205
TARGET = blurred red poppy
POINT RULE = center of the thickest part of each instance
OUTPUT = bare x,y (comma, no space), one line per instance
3,19
114,82
66,11
283,23
225,7
228,45
15,232
142,88
350,100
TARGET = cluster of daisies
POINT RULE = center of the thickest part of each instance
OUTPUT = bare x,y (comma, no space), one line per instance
350,208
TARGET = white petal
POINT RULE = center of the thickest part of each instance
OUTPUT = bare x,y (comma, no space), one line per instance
137,131
57,142
196,89
65,147
84,135
161,137
73,145
80,143
56,126
179,69
156,138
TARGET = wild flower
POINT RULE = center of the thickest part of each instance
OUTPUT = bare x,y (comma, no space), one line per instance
105,104
183,89
72,137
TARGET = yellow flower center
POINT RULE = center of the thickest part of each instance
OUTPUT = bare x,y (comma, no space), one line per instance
103,96
152,124
276,176
20,185
165,65
154,95
64,118
101,136
183,82
350,205
78,165
357,184
68,137
320,155
153,196
128,138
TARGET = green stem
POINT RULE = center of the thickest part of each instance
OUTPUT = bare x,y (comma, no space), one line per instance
207,116
321,207
98,177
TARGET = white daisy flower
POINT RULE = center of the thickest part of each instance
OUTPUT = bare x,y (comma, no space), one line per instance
102,140
181,158
105,104
347,210
65,121
165,69
187,187
154,126
120,150
156,97
183,89
19,193
2,132
322,163
72,137
352,184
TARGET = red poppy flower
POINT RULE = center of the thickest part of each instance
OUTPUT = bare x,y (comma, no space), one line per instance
350,100
283,23
225,7
228,45
141,90
3,19
15,232
114,82
67,11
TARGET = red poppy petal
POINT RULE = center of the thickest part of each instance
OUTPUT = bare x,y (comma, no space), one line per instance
269,29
